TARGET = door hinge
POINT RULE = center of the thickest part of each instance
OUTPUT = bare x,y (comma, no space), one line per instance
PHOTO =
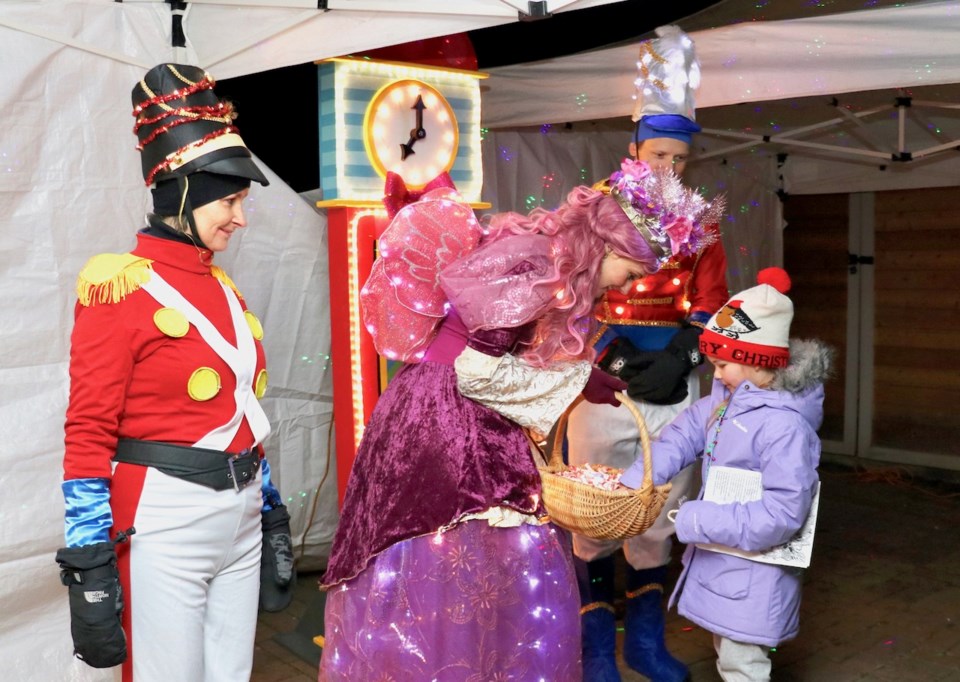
853,260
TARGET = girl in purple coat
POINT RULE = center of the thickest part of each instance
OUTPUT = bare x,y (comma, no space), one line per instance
762,416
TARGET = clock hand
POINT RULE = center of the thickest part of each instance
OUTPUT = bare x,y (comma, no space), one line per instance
417,133
406,149
419,106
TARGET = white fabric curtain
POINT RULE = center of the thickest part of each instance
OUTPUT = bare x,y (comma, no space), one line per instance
529,167
70,187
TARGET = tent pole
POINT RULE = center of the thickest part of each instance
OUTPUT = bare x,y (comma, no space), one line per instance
178,38
70,42
902,104
872,139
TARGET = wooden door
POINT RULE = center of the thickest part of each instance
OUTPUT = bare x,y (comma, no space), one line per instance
877,276
815,256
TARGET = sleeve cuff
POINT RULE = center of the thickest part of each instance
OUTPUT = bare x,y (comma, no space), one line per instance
633,476
88,517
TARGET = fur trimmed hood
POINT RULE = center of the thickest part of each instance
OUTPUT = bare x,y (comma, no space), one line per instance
811,363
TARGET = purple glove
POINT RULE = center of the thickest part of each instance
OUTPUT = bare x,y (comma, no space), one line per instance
601,387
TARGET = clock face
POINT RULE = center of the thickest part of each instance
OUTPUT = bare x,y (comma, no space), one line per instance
411,130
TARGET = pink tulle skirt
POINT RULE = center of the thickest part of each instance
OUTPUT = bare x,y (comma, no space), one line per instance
472,604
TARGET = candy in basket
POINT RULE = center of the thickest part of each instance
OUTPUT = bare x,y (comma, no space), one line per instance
589,501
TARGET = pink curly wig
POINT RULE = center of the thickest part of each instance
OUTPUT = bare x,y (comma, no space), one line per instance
583,227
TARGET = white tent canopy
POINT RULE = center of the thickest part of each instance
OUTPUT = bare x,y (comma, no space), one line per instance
800,104
823,90
70,188
904,46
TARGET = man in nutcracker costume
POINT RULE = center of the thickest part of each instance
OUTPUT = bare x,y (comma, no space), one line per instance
649,337
171,518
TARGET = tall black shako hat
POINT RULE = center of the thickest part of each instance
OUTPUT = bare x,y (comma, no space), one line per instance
190,151
183,127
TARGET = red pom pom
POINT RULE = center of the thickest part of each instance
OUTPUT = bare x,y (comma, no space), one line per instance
775,277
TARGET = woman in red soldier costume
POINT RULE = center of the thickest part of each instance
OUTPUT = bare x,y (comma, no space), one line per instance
168,497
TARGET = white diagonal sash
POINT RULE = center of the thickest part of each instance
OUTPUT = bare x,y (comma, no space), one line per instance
241,359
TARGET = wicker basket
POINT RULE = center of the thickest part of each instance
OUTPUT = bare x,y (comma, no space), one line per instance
597,513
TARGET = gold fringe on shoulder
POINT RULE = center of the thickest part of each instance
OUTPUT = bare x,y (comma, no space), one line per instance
225,278
110,277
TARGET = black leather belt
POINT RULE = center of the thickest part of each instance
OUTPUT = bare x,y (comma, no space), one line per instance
211,468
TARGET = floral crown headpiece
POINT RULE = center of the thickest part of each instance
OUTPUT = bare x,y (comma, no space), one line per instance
672,218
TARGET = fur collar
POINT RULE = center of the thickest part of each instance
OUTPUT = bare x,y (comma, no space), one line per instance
811,363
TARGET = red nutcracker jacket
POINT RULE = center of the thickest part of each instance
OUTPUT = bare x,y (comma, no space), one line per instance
140,369
690,289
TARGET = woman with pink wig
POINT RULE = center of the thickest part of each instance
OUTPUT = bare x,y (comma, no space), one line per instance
444,565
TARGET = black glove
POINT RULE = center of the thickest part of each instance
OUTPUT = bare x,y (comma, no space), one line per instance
96,602
622,359
278,574
663,378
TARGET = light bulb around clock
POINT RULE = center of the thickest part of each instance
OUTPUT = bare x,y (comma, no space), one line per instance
410,129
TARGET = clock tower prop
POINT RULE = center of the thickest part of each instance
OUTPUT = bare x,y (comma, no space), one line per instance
380,118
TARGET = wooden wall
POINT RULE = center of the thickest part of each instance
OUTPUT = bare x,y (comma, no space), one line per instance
917,320
815,256
915,300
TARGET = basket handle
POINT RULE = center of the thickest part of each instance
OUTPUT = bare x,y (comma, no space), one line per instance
556,450
646,486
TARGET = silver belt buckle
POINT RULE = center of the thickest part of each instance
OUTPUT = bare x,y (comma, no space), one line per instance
238,485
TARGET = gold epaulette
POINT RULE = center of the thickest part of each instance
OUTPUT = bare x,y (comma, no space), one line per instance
110,277
225,278
602,185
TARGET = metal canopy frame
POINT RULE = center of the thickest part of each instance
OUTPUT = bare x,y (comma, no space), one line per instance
899,153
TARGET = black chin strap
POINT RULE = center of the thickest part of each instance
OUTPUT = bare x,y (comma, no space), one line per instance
186,210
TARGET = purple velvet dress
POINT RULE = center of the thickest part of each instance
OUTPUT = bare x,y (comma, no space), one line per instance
417,593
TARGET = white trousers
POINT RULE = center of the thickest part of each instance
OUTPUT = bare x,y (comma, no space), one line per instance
194,581
739,662
603,434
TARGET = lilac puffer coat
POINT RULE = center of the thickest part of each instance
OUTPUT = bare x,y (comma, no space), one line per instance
771,431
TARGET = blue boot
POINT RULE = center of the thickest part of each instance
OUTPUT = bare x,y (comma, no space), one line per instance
599,643
597,621
644,649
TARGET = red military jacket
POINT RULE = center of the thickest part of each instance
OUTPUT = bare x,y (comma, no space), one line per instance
140,369
691,288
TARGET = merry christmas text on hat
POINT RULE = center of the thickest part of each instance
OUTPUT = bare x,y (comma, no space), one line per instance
753,327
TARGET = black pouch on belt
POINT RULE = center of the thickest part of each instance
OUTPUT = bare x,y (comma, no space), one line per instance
211,468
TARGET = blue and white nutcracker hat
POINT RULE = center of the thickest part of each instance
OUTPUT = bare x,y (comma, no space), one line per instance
668,73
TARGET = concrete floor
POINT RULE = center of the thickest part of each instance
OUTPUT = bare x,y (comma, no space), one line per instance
881,599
